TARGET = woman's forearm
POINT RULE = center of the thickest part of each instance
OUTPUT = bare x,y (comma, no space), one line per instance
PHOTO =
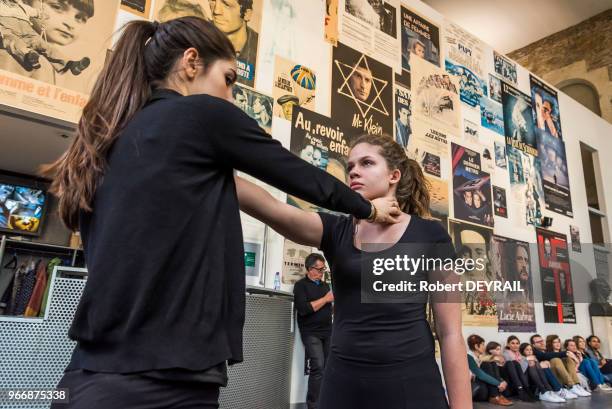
456,372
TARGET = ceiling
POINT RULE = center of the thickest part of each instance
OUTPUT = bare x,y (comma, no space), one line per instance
508,25
28,143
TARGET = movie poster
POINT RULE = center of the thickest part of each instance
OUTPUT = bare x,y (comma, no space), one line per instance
436,96
170,9
430,164
45,67
488,160
527,193
518,120
471,187
504,67
500,154
426,139
372,28
294,85
499,202
575,236
331,22
438,205
403,112
362,93
495,88
545,109
321,142
556,277
470,132
510,260
551,153
492,115
464,58
419,38
141,8
294,256
473,242
256,105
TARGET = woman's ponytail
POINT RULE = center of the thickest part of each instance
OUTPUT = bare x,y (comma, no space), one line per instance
142,59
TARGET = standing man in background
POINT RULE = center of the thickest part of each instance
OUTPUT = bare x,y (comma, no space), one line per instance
313,299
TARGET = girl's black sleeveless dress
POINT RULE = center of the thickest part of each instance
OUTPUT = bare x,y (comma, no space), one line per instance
382,354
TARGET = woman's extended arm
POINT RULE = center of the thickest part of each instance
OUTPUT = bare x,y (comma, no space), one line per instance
297,225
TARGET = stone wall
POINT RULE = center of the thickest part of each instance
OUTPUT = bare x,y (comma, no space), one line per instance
581,53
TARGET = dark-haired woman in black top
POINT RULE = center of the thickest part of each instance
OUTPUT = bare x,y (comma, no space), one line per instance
382,352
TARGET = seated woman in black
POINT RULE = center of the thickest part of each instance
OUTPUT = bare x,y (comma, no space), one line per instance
382,354
510,371
489,383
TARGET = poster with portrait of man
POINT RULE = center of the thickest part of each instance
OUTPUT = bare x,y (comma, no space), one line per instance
556,277
362,92
323,143
141,8
371,26
50,53
473,242
255,104
403,112
526,191
294,85
165,10
420,38
240,20
518,120
555,178
511,262
471,187
545,107
435,95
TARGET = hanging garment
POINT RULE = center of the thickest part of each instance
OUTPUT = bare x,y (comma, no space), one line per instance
25,290
7,274
54,262
17,280
38,293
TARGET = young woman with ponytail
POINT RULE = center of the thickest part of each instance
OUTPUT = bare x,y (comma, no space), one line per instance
149,182
382,354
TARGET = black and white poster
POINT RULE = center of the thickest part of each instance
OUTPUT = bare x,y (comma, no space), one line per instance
419,38
504,67
362,92
403,112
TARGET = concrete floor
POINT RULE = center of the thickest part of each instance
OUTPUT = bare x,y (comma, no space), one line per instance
599,400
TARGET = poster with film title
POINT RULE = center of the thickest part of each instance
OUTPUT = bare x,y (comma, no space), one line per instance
504,67
511,262
555,178
430,148
464,58
420,39
435,96
48,70
545,108
499,202
556,277
294,256
321,142
526,191
473,242
518,120
372,28
403,112
471,187
294,85
362,92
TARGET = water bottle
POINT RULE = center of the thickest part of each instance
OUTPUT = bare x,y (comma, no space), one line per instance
277,281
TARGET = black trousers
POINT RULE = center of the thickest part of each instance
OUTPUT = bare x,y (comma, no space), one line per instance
317,350
514,375
494,370
485,391
96,390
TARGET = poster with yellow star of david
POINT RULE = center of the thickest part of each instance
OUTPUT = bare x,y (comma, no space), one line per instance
362,92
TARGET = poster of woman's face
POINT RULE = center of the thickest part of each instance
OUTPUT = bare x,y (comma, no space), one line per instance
60,42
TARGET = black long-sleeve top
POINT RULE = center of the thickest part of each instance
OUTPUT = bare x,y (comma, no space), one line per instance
163,244
547,356
312,322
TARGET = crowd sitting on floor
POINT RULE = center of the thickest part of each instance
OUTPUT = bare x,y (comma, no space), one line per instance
543,369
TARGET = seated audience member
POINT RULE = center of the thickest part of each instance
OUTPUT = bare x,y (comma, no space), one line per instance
537,375
491,386
564,365
592,350
510,371
586,366
549,359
